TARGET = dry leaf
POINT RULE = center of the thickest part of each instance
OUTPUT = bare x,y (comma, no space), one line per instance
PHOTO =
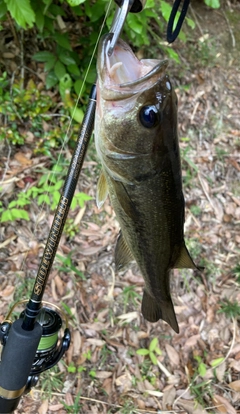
220,371
172,354
43,407
103,374
77,342
22,159
235,385
168,398
55,407
191,406
223,405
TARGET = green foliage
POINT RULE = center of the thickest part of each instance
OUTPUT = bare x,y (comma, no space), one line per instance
231,309
202,368
215,4
60,59
51,381
67,265
47,192
236,272
130,296
152,352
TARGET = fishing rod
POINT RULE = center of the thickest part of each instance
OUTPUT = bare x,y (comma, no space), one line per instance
31,344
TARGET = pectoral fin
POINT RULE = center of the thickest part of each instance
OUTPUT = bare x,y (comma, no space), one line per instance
184,260
124,199
123,254
153,311
102,190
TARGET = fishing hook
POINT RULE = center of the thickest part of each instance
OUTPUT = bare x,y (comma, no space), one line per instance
173,34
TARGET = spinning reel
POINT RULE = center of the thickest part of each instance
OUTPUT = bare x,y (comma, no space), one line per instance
49,351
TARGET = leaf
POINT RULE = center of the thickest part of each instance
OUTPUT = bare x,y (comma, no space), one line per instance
22,12
215,4
223,405
39,17
43,56
74,69
67,60
153,344
14,214
62,40
142,351
74,3
59,70
172,354
3,8
216,361
153,358
51,80
235,385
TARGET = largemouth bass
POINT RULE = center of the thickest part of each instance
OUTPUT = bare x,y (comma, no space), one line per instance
137,142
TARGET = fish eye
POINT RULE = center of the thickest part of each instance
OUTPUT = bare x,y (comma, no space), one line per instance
148,116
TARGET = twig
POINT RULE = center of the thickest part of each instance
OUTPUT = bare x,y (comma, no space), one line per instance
230,30
7,163
196,20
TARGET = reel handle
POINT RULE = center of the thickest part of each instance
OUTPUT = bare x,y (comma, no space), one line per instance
16,363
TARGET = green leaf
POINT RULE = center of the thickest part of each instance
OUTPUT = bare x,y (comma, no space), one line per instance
202,369
51,80
39,17
59,70
62,40
79,87
215,4
172,54
74,69
3,8
14,214
67,60
43,56
153,344
50,64
135,23
215,362
74,3
22,12
142,351
153,358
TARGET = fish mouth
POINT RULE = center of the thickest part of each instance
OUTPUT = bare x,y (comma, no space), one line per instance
122,74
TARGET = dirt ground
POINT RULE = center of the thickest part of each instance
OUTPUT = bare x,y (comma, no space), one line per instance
197,370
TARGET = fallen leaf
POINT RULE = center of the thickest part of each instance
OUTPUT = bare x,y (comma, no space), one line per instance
220,371
235,385
168,397
103,374
172,354
223,405
43,407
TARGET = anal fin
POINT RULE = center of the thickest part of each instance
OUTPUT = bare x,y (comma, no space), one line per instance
153,311
184,260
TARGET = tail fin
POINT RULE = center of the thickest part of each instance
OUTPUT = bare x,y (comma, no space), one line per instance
153,311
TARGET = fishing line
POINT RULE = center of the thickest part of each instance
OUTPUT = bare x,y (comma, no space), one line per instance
51,173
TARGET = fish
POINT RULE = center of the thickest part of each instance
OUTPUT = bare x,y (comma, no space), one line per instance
136,139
